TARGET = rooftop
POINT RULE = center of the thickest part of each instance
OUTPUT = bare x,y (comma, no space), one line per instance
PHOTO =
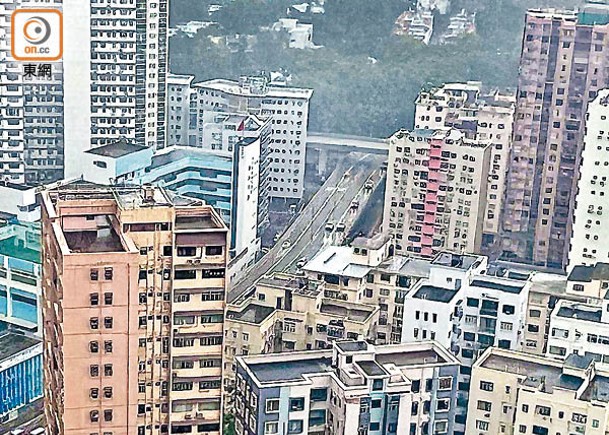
283,371
12,245
336,260
12,343
435,294
411,358
253,313
372,368
459,261
104,239
116,149
495,284
233,87
407,266
579,312
356,313
352,346
600,271
375,242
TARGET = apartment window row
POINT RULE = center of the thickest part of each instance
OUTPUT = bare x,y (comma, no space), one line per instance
108,274
206,296
94,346
434,316
94,370
94,415
192,273
107,392
94,322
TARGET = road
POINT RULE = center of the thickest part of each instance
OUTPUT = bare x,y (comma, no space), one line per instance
330,203
340,142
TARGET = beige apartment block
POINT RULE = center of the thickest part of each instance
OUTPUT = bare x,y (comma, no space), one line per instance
436,192
133,291
480,114
287,313
512,392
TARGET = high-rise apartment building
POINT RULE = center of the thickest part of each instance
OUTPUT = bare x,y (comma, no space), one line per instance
134,290
31,111
114,80
288,108
480,115
591,215
564,64
436,192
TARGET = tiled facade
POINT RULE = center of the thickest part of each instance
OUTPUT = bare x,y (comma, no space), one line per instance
134,290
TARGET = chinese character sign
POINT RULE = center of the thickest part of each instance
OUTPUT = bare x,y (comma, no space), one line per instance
36,35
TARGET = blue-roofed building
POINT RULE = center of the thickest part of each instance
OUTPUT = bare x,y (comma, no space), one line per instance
354,388
20,372
20,275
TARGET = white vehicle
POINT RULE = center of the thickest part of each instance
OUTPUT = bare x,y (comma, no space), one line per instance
355,204
330,226
340,227
369,185
300,263
17,431
285,245
38,431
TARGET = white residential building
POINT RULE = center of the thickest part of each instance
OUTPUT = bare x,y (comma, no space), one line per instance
300,34
289,109
591,215
114,75
31,111
484,116
436,192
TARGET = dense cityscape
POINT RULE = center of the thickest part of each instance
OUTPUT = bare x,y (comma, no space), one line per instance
217,219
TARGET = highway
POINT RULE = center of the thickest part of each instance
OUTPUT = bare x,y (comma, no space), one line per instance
306,234
344,143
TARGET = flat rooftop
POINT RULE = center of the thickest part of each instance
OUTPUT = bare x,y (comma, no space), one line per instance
580,312
116,149
514,288
600,271
458,261
12,343
354,313
407,266
411,358
233,87
435,294
201,221
283,371
253,313
336,260
104,239
352,346
372,368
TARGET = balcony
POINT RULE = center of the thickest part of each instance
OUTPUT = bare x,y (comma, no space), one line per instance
195,416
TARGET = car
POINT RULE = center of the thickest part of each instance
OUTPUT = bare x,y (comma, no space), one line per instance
369,185
285,245
330,226
38,431
355,204
276,238
301,263
17,432
341,227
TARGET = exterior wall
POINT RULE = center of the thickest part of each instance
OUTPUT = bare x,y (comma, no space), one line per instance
588,245
20,380
429,320
451,214
563,63
20,278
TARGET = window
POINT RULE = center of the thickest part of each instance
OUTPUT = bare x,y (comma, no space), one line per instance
213,250
486,386
187,251
540,430
94,370
522,428
271,427
374,426
507,326
108,274
482,425
508,309
294,426
472,302
319,394
94,416
535,313
443,405
272,406
108,392
557,350
94,323
108,346
317,417
376,403
94,393
185,274
416,386
94,274
445,384
107,415
108,298
93,346
297,404
108,370
441,426
484,405
94,299
525,408
108,322
543,410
